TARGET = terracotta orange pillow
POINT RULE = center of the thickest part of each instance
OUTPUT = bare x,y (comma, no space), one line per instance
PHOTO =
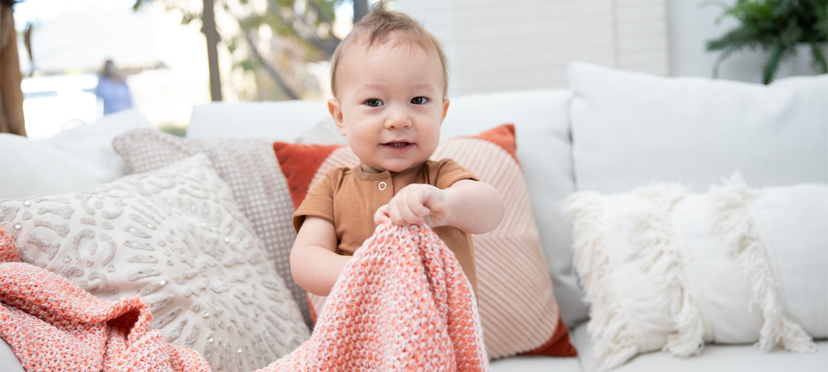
517,305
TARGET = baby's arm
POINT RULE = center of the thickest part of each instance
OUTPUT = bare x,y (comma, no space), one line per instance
472,206
313,260
476,207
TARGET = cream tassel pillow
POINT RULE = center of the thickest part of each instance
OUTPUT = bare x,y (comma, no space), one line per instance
666,269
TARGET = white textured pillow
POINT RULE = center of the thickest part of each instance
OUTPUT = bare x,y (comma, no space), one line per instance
176,237
74,159
666,269
631,129
249,167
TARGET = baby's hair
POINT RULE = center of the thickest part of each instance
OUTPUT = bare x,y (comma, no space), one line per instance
380,25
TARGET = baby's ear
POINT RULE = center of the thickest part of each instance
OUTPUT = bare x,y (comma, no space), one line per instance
445,109
336,113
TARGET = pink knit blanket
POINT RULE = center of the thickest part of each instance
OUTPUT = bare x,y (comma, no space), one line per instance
52,324
402,304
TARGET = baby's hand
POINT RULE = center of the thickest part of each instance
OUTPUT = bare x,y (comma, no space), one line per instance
415,204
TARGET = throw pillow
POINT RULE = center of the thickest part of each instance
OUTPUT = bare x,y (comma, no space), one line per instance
176,237
665,269
75,158
517,306
630,129
544,148
251,170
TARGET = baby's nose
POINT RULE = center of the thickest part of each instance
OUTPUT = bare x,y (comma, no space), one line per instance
398,119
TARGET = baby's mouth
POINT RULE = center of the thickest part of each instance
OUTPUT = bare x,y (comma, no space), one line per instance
397,146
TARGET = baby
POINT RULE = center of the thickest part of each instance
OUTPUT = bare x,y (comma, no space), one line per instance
389,80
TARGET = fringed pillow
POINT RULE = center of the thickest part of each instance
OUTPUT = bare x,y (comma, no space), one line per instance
666,269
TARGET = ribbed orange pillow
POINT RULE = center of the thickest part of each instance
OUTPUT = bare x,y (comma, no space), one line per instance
517,305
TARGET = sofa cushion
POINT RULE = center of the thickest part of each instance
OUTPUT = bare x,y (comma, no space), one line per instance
249,167
665,269
526,363
714,358
74,159
176,237
517,305
282,121
9,361
631,129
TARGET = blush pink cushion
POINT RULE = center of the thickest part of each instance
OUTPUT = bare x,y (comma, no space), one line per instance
517,305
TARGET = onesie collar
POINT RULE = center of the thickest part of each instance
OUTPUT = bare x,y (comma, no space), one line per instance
386,174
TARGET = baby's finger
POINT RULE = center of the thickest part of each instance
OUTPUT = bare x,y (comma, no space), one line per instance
394,214
415,203
408,215
429,222
381,215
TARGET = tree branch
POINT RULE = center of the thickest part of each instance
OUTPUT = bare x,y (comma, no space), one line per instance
327,46
270,70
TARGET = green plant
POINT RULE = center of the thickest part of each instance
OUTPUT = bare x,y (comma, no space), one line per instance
174,129
775,26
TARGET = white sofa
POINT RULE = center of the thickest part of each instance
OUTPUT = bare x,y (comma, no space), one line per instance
614,131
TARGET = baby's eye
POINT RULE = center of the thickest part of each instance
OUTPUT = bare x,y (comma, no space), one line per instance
373,102
419,100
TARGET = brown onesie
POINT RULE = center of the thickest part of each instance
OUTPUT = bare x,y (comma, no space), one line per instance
348,198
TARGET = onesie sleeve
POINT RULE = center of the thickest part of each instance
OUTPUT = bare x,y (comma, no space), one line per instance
318,202
448,172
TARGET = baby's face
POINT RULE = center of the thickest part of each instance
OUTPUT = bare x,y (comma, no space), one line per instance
390,104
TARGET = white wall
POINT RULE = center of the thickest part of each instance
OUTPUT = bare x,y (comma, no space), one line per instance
496,45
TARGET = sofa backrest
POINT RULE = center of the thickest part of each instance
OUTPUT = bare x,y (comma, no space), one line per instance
632,129
282,120
74,159
614,131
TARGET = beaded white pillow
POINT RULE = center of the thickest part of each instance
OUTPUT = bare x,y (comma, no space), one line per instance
249,167
176,237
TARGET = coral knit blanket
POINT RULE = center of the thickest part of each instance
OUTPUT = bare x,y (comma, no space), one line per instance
54,325
402,304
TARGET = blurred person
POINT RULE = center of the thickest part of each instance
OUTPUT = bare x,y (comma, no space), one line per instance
11,96
113,89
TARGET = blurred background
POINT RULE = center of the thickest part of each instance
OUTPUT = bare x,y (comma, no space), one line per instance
161,52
